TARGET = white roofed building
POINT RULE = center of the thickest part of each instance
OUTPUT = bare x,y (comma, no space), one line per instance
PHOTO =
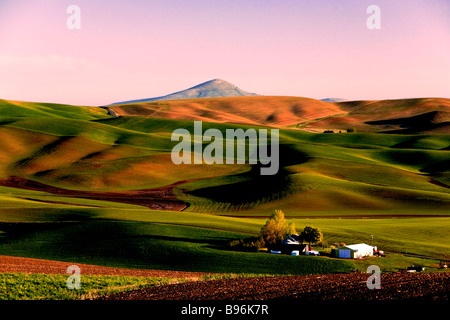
354,251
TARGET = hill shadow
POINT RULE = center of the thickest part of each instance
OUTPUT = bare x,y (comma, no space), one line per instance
423,122
256,187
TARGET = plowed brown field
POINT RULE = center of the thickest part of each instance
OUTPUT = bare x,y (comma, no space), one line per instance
348,287
29,265
331,287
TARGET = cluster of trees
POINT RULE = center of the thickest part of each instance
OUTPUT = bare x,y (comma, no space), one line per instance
275,230
348,130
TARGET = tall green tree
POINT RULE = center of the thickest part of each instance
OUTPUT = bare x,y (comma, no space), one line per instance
276,228
311,235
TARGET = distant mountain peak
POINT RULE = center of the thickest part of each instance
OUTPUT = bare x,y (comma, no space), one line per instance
333,100
210,89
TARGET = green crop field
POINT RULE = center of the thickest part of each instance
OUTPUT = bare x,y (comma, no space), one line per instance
154,246
21,286
198,242
20,109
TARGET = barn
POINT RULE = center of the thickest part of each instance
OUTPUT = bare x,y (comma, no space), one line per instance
353,251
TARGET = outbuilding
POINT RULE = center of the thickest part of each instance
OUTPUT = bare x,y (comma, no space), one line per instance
353,251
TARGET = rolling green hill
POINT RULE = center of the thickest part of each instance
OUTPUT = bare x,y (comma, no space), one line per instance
82,148
424,115
58,162
13,109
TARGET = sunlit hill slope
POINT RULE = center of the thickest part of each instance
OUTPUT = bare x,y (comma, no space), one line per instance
85,148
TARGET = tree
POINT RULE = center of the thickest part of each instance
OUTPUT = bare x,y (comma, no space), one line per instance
276,228
290,229
311,234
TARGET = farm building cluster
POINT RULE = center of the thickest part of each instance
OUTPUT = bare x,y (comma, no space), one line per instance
293,245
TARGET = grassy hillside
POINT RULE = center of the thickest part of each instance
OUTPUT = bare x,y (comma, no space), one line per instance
154,246
62,157
254,110
337,174
197,242
427,115
14,109
424,115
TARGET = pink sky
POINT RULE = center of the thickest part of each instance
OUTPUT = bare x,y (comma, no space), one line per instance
140,49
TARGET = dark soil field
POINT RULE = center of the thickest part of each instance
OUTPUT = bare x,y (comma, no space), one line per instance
28,265
420,287
433,287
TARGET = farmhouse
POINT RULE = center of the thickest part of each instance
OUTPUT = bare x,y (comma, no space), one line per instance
354,251
291,244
